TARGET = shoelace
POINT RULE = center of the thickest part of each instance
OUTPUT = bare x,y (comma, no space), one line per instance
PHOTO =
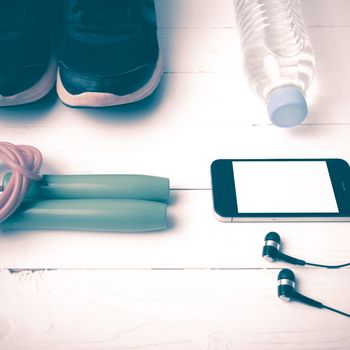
24,163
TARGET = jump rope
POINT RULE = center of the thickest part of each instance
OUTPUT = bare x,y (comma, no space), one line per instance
28,200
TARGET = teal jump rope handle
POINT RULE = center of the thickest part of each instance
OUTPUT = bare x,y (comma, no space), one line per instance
144,187
123,215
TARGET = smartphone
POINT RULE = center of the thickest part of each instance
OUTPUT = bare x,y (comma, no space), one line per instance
254,190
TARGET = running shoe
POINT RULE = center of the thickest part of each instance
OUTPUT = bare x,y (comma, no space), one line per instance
108,52
27,69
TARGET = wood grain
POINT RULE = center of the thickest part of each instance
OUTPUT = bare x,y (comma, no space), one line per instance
218,14
189,310
201,284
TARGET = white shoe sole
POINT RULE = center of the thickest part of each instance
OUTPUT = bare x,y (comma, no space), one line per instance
102,99
36,92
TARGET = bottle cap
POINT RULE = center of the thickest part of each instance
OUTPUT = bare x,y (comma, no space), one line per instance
287,106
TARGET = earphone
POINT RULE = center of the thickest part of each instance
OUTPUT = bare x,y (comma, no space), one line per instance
286,277
287,291
271,252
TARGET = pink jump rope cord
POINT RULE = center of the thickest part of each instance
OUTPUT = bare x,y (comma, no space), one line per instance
24,163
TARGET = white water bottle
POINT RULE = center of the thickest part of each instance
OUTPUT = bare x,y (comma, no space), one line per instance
278,56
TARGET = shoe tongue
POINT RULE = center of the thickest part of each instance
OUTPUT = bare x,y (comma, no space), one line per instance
104,15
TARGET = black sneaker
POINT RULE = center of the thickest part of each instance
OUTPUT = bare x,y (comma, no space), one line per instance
27,69
108,52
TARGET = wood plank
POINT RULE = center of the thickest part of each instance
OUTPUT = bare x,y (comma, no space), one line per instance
194,13
169,310
182,153
195,239
326,13
203,110
218,50
200,50
199,13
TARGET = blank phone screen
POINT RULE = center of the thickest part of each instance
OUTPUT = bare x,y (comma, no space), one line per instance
283,187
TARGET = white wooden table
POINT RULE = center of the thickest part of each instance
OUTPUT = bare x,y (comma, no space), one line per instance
201,284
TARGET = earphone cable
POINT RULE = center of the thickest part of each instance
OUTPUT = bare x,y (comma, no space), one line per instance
337,311
328,266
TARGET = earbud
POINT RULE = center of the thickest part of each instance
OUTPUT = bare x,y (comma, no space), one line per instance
286,284
272,246
271,250
286,289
